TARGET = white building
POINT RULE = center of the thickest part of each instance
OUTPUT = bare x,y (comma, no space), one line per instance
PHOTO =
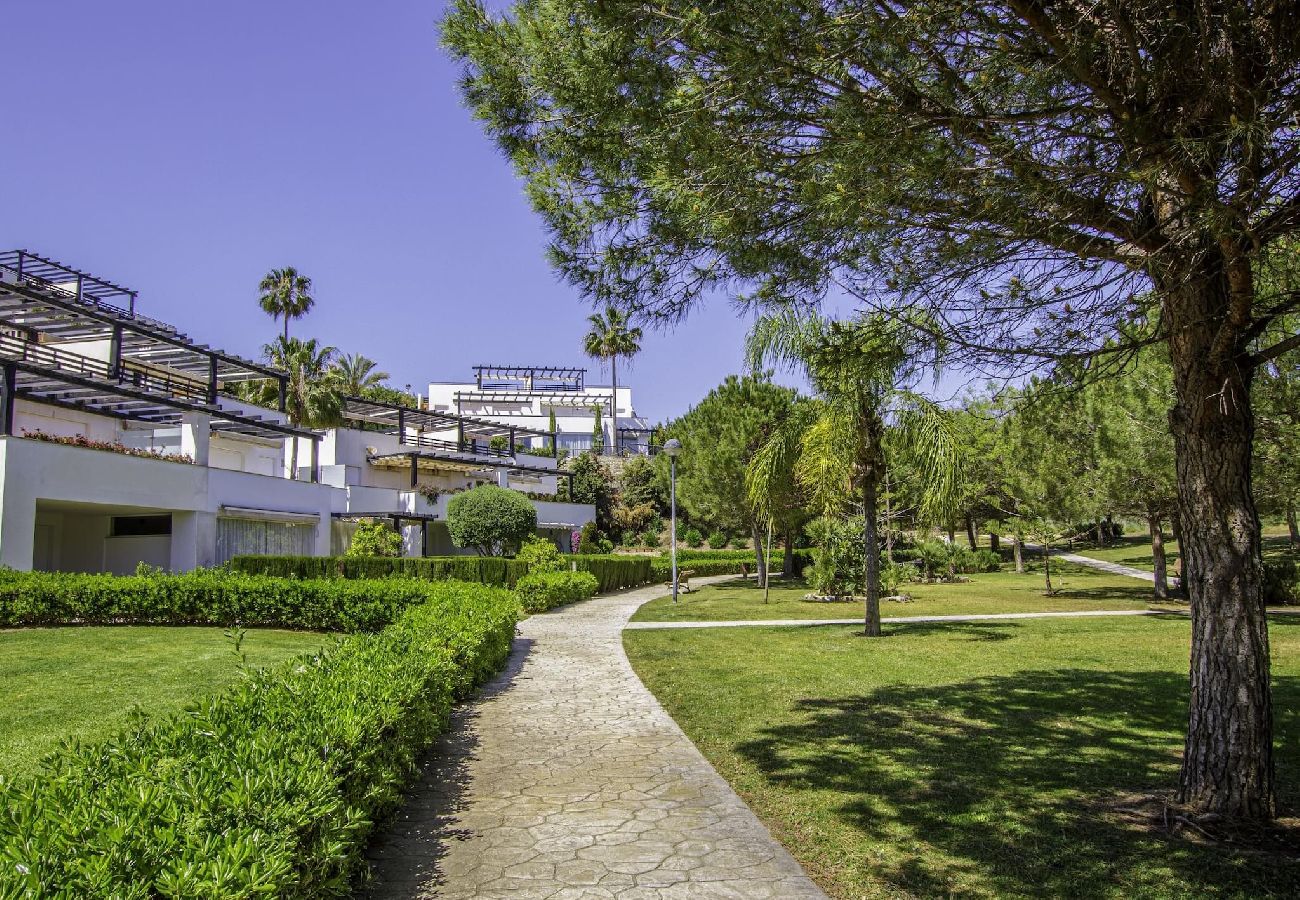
120,443
527,397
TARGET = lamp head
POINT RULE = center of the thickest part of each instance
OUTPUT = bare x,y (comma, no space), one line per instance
672,447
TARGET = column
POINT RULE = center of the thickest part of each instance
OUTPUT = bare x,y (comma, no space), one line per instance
196,434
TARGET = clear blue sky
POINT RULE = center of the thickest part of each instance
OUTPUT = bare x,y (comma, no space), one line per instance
185,149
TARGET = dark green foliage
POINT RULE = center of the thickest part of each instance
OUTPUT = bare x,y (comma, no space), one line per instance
839,565
613,573
723,562
541,591
206,598
481,569
270,789
692,537
593,483
491,519
1281,582
375,539
717,541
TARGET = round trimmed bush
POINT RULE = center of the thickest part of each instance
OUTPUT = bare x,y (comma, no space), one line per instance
492,520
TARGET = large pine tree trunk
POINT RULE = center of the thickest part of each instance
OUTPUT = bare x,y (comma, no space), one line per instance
1228,760
1156,527
1292,525
871,545
1018,552
970,534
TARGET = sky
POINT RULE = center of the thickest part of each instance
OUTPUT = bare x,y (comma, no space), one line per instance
185,149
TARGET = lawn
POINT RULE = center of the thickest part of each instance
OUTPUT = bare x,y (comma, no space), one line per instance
84,682
974,760
1078,588
1135,549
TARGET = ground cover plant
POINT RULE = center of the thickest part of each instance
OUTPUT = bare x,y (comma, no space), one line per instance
84,682
269,789
995,759
1001,592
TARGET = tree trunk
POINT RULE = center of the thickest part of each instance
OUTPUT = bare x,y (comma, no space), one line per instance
995,542
293,458
613,404
970,534
759,553
1158,552
1101,533
952,534
1047,564
286,326
1176,532
1228,760
1018,552
871,544
787,560
889,523
1292,526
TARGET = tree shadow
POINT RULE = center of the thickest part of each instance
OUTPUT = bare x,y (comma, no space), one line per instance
1002,786
404,855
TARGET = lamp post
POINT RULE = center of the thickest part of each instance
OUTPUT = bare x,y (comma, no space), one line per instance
672,447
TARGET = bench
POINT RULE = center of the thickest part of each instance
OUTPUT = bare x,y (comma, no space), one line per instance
684,580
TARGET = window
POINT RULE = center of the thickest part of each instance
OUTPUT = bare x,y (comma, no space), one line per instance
141,526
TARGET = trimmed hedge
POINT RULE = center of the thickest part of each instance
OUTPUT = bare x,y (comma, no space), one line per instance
723,562
482,569
613,573
269,789
204,598
541,591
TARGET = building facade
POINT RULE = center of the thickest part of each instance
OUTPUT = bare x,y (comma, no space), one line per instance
122,442
528,396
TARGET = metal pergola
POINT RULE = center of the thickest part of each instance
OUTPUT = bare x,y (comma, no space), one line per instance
568,400
436,460
529,378
469,431
46,302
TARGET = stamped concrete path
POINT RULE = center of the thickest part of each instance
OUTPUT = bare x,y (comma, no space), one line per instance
566,779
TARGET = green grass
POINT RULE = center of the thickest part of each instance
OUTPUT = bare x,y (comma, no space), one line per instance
84,682
1135,549
1078,588
973,760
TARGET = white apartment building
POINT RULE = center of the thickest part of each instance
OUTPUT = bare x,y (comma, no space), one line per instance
527,397
121,443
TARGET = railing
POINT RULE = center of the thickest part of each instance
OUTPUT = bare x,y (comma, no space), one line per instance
129,373
453,447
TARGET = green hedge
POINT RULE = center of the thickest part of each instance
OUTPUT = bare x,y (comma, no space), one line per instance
546,590
723,562
614,573
270,789
203,598
482,569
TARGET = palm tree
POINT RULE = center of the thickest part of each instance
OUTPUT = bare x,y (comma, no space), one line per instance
285,294
311,399
609,338
354,374
861,370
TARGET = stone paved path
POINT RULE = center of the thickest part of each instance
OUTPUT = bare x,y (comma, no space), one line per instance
568,780
1104,566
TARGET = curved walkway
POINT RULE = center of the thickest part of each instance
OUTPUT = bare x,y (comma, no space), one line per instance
567,779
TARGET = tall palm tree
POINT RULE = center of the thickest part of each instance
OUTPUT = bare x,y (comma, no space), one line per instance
285,294
354,374
609,338
311,398
861,371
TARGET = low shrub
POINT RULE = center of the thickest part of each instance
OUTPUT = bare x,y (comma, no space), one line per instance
692,537
375,539
203,598
717,541
541,556
1281,582
491,519
482,569
724,562
270,789
982,560
541,591
649,539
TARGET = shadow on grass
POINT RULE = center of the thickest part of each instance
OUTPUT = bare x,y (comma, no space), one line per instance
998,786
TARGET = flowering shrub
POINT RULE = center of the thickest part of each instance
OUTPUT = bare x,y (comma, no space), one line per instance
80,440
